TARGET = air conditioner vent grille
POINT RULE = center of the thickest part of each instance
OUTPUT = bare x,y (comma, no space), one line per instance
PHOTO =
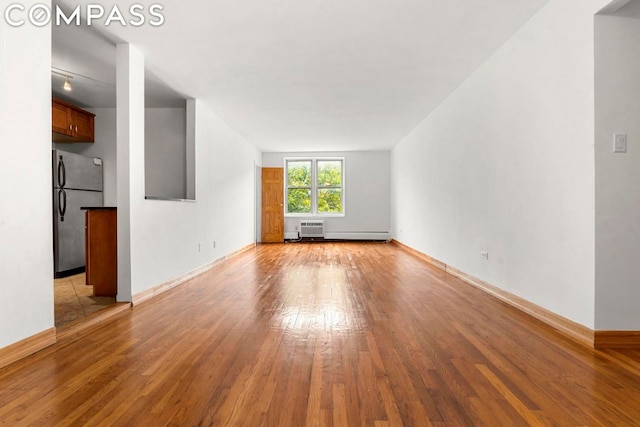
312,228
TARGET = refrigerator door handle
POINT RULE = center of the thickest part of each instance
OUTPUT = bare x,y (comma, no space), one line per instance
62,173
62,203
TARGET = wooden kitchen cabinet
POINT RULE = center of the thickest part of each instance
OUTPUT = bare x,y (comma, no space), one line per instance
59,118
70,123
102,250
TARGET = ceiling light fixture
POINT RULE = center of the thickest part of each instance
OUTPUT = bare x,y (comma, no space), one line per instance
67,79
67,84
68,75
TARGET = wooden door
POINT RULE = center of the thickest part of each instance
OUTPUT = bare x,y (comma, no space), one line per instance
272,205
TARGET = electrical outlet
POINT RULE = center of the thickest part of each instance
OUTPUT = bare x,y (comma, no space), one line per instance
214,244
484,255
199,247
620,143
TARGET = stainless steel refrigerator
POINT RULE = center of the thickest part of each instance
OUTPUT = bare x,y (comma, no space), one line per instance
77,183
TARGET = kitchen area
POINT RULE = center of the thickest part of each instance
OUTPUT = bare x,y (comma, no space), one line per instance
84,238
84,166
84,213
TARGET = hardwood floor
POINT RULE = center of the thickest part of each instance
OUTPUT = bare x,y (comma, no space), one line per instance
336,334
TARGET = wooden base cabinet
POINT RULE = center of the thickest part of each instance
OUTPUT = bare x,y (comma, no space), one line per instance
102,251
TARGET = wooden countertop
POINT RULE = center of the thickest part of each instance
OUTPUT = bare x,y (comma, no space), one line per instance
98,208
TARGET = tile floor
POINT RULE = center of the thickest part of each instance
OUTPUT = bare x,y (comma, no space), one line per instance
74,300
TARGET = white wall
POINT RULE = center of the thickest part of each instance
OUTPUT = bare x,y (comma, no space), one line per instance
506,165
172,238
165,152
26,236
159,240
103,147
367,191
617,175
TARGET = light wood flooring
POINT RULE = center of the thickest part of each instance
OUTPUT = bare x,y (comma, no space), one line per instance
74,300
334,334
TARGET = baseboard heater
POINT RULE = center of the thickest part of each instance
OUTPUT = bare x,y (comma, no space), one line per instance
314,230
359,235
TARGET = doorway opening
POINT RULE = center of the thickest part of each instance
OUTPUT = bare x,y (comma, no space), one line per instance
74,299
83,83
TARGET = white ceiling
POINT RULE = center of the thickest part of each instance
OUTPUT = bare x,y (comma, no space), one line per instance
89,57
318,75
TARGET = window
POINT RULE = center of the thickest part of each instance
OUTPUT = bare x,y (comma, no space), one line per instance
299,186
315,186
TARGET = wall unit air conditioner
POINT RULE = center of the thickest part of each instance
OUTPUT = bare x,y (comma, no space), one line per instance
313,228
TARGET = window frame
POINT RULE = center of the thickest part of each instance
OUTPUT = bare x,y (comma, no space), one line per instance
314,187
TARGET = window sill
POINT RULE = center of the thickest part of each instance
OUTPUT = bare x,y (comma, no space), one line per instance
301,215
168,199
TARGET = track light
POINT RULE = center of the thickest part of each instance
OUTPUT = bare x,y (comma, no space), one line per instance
69,75
67,79
67,83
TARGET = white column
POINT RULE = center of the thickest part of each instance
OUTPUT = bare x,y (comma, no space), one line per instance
191,149
130,143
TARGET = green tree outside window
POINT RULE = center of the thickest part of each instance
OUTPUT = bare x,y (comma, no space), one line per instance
322,178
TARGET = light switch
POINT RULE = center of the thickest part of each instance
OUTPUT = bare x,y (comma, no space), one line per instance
620,143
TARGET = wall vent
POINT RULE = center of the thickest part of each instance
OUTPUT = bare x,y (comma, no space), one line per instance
312,229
